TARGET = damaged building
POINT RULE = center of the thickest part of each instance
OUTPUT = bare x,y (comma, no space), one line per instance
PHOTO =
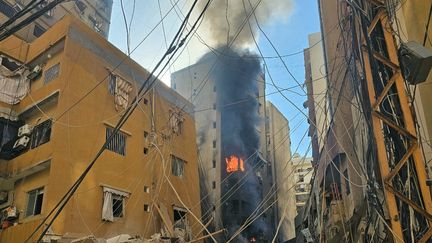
62,95
229,115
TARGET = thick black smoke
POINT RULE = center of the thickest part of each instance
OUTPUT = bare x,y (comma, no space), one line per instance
235,75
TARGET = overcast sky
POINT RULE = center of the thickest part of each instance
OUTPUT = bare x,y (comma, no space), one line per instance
287,26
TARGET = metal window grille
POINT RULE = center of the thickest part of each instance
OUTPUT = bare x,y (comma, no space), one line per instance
41,134
117,143
52,73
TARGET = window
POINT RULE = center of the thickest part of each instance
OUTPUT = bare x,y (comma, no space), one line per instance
214,184
301,178
177,166
118,141
112,83
180,220
214,163
52,73
41,134
113,203
146,208
145,150
214,124
117,206
214,106
38,30
6,9
146,189
176,122
347,185
34,202
81,6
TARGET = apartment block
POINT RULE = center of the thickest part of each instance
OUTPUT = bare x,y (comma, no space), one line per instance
63,94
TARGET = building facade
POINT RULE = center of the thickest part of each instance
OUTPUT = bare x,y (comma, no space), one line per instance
63,94
351,198
95,14
223,113
284,176
303,173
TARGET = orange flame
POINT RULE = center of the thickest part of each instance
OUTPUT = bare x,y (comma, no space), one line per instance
234,163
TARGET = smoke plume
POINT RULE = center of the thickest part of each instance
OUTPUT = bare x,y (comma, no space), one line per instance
235,75
226,20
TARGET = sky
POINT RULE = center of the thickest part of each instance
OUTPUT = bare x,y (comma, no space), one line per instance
288,32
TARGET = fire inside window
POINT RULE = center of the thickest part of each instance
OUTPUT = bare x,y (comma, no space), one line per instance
234,163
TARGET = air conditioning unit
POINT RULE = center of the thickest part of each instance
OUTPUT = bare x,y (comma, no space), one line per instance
21,143
25,130
416,62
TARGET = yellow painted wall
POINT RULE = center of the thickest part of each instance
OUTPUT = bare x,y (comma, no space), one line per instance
79,133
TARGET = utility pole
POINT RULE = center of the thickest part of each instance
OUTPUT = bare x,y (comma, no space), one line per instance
399,159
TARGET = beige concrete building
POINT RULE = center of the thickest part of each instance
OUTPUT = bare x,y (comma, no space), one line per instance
50,133
96,14
279,153
410,16
316,82
198,84
303,174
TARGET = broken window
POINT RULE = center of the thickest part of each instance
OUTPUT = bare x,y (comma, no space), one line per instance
214,184
176,122
118,141
177,166
120,88
52,73
113,203
180,220
34,202
41,134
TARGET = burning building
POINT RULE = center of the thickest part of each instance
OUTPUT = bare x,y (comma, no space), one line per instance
226,87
